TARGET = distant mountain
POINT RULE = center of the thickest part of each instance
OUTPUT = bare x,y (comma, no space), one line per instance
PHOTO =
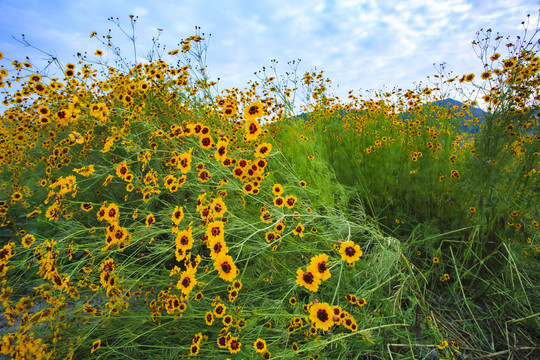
454,106
470,113
450,103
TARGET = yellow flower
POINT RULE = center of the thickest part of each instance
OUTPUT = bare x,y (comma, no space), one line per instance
226,268
122,169
112,213
150,219
259,345
218,207
308,280
299,230
28,240
184,239
86,206
321,315
290,201
85,171
177,215
194,349
262,150
209,318
215,231
253,111
221,150
217,247
350,252
253,129
277,189
184,161
219,310
187,281
318,266
234,345
95,345
76,137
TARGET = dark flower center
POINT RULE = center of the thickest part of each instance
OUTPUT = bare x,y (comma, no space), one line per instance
226,268
308,278
322,315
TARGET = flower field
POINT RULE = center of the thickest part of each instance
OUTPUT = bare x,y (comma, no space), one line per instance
146,215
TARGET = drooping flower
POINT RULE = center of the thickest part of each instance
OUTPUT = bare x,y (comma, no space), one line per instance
95,346
209,318
177,215
150,219
299,230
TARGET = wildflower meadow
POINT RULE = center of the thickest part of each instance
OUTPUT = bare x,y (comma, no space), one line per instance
146,215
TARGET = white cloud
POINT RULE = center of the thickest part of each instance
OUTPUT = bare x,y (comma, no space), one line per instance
139,11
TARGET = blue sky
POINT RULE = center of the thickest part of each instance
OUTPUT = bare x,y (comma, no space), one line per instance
361,45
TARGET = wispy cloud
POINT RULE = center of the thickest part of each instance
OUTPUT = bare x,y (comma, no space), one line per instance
361,44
